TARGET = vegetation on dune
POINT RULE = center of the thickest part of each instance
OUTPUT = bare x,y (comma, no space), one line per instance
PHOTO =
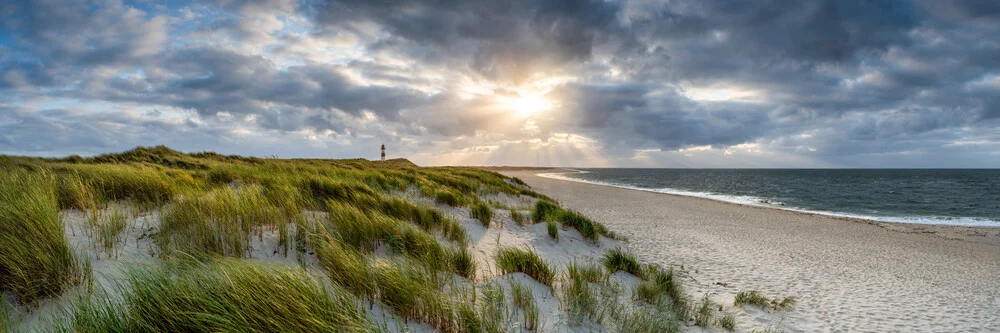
617,259
482,212
225,295
518,217
511,259
586,271
374,242
755,297
35,259
727,322
553,230
524,301
549,211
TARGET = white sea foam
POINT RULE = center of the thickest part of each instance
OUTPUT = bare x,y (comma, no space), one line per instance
770,203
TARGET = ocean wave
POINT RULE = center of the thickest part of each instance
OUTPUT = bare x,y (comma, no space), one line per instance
775,204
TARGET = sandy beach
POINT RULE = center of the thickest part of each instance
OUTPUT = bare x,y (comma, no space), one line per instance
848,275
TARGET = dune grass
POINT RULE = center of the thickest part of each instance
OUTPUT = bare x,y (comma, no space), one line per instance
109,227
224,295
548,211
448,198
482,212
220,222
518,217
704,313
757,298
586,271
493,308
727,322
36,261
553,230
511,259
524,301
661,288
618,259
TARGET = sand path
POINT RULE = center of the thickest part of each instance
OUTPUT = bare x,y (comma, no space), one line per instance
848,276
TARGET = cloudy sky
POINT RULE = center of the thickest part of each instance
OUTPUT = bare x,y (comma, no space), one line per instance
643,83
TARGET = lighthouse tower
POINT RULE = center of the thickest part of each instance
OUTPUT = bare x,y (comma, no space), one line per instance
383,152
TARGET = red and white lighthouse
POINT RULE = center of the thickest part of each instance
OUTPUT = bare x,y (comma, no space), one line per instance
383,152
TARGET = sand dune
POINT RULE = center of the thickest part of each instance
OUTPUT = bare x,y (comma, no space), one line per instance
847,275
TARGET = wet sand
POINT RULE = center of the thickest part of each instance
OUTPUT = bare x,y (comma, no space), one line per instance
848,275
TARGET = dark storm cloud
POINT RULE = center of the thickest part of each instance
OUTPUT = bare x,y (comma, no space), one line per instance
849,78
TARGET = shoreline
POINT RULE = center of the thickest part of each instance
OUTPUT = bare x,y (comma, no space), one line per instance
849,274
966,232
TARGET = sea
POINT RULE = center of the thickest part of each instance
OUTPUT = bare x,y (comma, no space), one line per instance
967,197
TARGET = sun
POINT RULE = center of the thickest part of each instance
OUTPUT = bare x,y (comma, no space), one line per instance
527,104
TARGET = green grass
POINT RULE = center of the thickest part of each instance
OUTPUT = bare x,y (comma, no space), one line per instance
225,295
524,301
510,260
109,227
463,263
493,309
518,217
727,322
704,313
35,260
553,229
586,271
482,212
220,222
617,259
642,320
543,209
662,288
448,198
584,301
755,297
548,211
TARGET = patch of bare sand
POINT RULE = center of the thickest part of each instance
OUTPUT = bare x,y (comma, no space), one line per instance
848,275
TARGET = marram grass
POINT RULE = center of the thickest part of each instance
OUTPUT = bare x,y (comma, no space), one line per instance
36,261
755,297
222,296
512,259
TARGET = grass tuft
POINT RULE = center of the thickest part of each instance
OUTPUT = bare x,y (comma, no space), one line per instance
448,198
553,229
510,260
524,301
617,259
36,261
728,322
226,295
705,312
586,271
482,212
755,297
518,217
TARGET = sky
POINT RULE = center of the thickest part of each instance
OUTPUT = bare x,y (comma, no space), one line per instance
585,83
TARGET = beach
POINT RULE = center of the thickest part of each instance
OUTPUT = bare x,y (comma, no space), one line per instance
847,275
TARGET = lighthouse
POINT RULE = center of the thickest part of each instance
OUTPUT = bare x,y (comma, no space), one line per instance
383,152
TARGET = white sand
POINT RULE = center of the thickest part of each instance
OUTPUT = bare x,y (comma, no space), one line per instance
848,275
